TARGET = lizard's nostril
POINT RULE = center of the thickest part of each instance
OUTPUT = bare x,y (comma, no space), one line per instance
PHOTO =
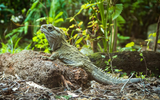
43,26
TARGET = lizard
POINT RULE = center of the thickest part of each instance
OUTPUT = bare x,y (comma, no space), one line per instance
70,55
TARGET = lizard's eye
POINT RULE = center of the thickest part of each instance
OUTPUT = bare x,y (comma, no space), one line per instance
49,28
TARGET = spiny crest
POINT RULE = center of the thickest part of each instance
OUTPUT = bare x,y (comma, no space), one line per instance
111,76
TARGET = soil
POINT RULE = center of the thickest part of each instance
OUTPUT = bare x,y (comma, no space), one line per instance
130,61
27,76
28,65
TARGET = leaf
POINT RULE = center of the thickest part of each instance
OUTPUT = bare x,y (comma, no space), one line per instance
16,44
99,37
50,20
150,35
23,10
8,10
100,47
103,56
71,26
90,22
158,41
47,50
120,19
59,20
80,23
87,37
35,39
17,30
32,7
123,37
29,15
84,32
2,5
141,54
78,29
154,34
79,40
4,48
85,6
102,30
27,47
130,44
148,40
118,70
59,14
90,26
71,19
75,36
77,45
41,19
26,27
115,56
109,60
117,11
141,59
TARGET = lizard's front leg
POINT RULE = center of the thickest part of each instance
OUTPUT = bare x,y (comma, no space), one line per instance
54,56
79,64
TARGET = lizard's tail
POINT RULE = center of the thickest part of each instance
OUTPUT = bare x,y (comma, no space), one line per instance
105,78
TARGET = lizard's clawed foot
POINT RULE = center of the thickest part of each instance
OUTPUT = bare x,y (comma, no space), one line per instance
50,58
46,58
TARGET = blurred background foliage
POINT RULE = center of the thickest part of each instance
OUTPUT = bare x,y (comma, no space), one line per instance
95,25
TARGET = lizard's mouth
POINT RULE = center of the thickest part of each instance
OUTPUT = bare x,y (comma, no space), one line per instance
43,29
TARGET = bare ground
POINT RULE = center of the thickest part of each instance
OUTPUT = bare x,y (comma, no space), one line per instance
26,76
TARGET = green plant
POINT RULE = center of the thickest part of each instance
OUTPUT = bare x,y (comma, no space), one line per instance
151,38
17,8
108,21
121,38
109,63
41,42
143,59
83,37
33,18
105,24
79,38
67,97
128,47
141,54
135,12
12,48
140,75
18,32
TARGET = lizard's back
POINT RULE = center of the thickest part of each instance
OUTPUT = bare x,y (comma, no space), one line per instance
71,55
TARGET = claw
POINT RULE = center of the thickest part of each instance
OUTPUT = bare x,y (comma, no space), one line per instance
50,58
44,57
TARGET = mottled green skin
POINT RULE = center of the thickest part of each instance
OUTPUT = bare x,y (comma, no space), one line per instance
70,55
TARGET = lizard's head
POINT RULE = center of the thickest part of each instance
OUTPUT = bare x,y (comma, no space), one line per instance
54,35
49,29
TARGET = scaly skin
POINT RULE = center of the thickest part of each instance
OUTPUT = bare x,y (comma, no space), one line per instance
70,55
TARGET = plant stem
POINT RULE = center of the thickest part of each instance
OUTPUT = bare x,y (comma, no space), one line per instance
155,45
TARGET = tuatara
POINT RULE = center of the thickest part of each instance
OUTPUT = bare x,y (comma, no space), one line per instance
70,55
